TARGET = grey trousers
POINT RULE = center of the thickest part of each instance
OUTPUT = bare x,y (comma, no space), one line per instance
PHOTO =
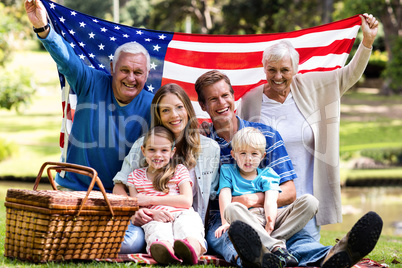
289,220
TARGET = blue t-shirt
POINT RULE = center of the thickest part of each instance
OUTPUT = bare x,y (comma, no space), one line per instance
230,177
103,131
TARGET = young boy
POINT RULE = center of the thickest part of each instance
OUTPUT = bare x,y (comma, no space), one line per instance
245,177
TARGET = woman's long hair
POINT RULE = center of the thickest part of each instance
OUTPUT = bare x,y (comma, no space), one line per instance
188,147
161,180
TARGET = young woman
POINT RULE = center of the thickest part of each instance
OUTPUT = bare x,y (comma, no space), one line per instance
165,185
172,108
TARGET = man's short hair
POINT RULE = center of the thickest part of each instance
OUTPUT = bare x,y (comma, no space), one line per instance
132,48
251,137
207,79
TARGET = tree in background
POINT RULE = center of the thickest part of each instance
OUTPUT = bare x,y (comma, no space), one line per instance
15,86
389,13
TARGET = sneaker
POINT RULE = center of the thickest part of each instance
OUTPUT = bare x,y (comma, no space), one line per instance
359,242
185,252
162,255
248,245
285,256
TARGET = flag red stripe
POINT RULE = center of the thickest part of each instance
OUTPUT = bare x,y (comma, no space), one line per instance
320,69
237,61
61,140
70,112
251,38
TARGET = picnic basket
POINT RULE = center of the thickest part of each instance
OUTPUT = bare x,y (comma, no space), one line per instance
51,225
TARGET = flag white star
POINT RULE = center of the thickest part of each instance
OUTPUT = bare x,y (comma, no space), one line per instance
91,35
101,46
162,36
153,66
91,55
52,6
82,56
81,44
103,29
139,32
101,66
112,38
151,88
73,13
95,20
82,24
72,32
72,44
157,47
117,28
62,19
111,57
147,39
125,35
92,67
63,33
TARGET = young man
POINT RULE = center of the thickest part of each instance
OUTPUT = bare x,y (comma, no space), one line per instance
215,96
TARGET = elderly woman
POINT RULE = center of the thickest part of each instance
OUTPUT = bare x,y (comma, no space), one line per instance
304,108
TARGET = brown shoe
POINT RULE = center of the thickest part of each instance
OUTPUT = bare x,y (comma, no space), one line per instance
359,242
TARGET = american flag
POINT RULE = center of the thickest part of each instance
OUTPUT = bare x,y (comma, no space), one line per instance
181,58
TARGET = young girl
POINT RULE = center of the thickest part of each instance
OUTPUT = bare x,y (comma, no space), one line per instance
163,185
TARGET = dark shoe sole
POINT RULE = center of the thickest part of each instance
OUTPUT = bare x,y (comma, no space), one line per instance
184,251
162,255
361,241
249,247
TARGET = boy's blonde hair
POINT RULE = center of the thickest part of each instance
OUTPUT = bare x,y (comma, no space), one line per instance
249,136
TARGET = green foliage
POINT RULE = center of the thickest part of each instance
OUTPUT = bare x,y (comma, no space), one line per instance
376,65
394,70
264,16
16,89
387,156
98,8
6,149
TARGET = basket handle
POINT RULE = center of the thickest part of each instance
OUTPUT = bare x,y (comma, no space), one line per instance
79,169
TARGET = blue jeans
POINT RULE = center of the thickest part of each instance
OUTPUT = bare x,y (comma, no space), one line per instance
306,249
222,245
313,229
134,240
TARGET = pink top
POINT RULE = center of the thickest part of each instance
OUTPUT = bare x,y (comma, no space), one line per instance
138,179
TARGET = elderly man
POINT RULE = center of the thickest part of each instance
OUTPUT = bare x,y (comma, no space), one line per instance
112,110
215,96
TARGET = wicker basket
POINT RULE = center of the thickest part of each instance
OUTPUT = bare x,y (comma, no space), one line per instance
51,225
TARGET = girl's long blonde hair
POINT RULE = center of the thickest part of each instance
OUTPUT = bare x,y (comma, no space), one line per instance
161,180
188,148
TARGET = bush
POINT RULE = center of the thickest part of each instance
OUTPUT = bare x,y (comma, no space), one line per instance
16,88
394,70
6,149
376,65
387,156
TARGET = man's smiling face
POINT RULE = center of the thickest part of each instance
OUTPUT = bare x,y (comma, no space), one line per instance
129,76
219,102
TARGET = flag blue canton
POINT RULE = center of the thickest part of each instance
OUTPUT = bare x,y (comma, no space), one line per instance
95,40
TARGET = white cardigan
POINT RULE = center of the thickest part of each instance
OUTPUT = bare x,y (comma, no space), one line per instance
317,95
206,171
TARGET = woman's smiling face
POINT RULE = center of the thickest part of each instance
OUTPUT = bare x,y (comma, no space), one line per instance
173,114
279,74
